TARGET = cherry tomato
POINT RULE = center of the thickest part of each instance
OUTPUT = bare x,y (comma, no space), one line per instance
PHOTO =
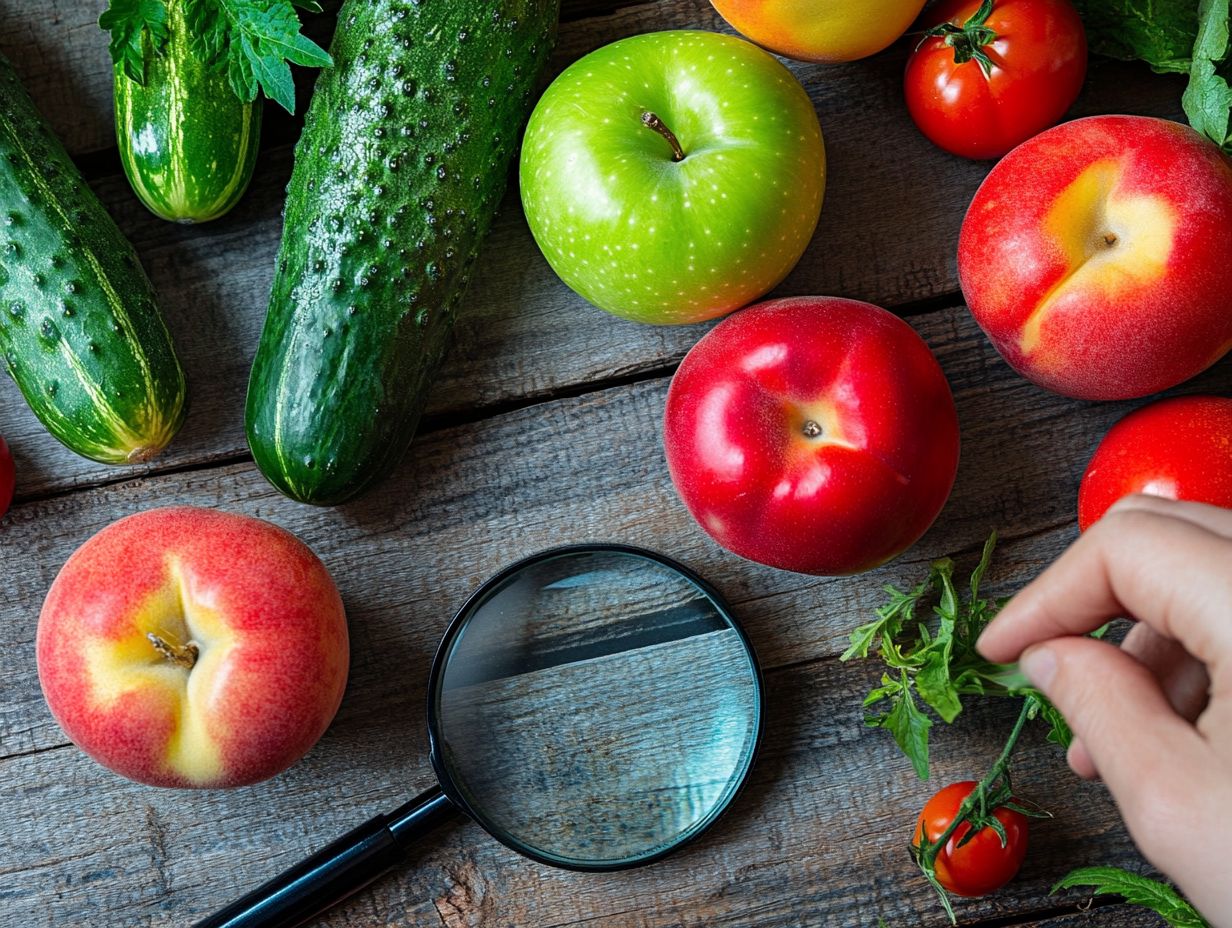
983,864
1180,448
992,74
7,478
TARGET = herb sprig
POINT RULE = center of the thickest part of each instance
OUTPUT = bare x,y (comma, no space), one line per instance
253,41
930,658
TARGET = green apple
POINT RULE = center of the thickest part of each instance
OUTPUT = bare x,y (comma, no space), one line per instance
674,176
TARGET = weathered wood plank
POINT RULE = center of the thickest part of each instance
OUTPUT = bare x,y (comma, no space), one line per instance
888,234
816,839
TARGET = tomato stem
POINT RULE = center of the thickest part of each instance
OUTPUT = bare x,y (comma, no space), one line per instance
969,38
651,121
976,809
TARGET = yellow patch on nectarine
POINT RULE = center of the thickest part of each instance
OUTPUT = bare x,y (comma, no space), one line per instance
1112,240
178,616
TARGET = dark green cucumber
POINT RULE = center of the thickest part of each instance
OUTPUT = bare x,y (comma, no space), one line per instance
405,153
80,330
187,142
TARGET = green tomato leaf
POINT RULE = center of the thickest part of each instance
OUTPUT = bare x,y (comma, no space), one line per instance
136,28
256,41
243,80
1160,33
1207,100
273,74
1137,890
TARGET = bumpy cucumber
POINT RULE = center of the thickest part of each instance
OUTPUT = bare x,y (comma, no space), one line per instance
187,142
80,330
404,157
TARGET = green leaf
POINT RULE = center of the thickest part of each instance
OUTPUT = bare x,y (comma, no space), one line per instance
1058,729
256,41
1207,100
909,726
137,28
935,686
981,568
273,74
889,622
942,578
1160,33
889,687
1137,890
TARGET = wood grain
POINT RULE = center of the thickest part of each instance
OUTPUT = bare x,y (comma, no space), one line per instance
888,234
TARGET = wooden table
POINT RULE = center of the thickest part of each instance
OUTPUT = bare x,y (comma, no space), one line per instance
543,428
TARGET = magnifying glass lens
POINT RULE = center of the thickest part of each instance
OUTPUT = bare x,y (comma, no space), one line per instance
595,709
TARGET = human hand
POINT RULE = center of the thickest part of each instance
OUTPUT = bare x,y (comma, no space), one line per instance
1153,717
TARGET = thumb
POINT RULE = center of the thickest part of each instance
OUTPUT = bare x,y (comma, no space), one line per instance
1118,711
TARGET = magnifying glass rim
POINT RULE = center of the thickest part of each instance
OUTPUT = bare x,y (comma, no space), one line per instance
448,784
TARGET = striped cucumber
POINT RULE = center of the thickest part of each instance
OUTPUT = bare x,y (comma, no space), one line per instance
404,157
187,142
80,330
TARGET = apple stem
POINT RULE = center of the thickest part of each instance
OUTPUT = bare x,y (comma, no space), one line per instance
183,654
651,121
811,429
1110,239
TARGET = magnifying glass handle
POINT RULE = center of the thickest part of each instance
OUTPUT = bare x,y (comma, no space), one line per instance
337,871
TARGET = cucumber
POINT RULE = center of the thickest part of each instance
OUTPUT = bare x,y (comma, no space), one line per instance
80,330
187,142
406,149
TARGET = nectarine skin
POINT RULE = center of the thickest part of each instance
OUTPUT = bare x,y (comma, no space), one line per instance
262,613
1097,256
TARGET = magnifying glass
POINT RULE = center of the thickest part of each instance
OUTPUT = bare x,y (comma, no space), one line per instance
592,707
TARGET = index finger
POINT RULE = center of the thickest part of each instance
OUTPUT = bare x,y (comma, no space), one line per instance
1171,573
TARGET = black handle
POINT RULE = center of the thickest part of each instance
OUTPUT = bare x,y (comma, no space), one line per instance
335,872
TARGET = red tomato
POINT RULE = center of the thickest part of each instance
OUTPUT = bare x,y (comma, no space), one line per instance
983,864
1180,448
7,478
981,87
814,434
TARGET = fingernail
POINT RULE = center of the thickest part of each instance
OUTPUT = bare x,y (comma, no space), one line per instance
1040,666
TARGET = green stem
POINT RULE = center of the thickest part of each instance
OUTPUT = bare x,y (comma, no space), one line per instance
981,802
968,40
978,797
